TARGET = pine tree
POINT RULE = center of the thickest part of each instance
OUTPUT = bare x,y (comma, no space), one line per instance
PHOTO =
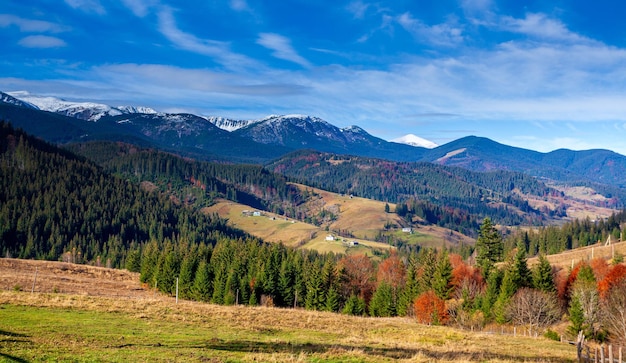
133,261
202,283
542,275
522,276
354,306
489,247
332,300
576,317
382,303
409,293
442,277
187,272
491,293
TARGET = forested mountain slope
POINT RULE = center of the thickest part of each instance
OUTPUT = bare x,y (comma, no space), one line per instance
497,194
53,202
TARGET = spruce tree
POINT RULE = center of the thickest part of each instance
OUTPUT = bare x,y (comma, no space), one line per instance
522,276
202,283
382,303
187,272
489,247
410,291
442,277
354,306
542,275
576,317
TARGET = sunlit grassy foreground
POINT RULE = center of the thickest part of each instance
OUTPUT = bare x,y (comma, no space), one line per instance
55,327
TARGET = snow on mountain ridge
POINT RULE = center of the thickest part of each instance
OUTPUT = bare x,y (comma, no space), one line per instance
90,111
413,140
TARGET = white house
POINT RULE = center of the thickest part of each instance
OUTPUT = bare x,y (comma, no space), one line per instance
330,237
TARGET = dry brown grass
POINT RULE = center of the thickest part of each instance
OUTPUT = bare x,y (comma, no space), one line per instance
144,327
569,258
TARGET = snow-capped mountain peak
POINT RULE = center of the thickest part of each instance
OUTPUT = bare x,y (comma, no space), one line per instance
90,111
227,123
414,140
137,109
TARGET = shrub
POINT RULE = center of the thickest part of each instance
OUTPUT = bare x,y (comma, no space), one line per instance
551,334
430,309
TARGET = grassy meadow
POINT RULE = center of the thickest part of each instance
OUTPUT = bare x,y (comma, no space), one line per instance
58,327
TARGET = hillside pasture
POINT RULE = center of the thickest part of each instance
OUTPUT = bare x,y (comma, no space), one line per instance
72,326
567,259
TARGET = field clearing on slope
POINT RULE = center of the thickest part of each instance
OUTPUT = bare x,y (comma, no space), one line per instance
72,326
568,258
274,228
365,218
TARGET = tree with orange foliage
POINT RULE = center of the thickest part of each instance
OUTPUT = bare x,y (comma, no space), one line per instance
615,275
430,309
391,271
357,275
467,281
600,268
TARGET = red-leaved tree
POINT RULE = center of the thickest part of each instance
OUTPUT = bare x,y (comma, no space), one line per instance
391,271
615,275
430,309
357,275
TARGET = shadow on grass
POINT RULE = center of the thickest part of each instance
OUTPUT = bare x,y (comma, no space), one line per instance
249,346
11,358
11,334
13,338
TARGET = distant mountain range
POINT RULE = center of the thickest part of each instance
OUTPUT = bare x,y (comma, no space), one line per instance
263,140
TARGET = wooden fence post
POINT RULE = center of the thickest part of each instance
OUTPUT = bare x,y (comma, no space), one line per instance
580,342
611,353
602,354
35,280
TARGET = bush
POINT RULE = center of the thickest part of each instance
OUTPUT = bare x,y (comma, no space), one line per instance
430,309
551,334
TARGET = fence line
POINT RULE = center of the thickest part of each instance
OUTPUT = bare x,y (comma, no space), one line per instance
600,354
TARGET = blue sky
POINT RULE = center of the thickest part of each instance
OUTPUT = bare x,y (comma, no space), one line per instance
537,74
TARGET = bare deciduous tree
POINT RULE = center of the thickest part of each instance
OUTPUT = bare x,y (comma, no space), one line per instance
614,312
533,308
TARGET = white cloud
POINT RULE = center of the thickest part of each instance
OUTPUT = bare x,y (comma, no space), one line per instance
447,34
41,41
239,5
282,48
140,7
538,25
88,6
357,9
31,26
220,51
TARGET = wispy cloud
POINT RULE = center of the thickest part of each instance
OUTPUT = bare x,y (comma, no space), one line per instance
239,5
448,34
540,26
357,9
87,6
219,51
174,80
30,25
41,41
282,48
140,7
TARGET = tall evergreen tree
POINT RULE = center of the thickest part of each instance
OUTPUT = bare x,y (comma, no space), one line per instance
489,246
543,278
382,303
442,277
202,283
